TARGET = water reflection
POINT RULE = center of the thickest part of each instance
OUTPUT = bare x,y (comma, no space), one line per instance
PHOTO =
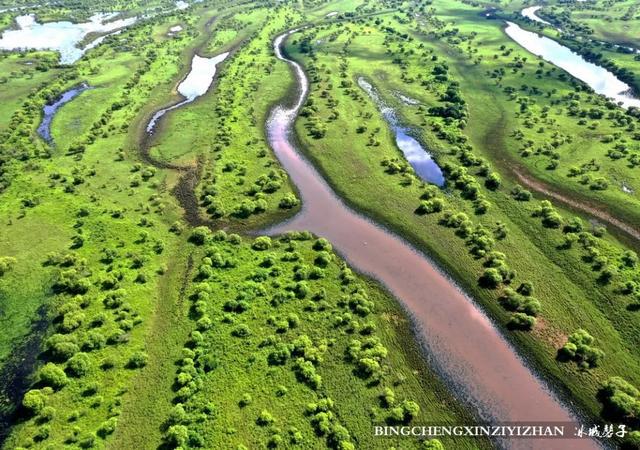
599,79
63,37
420,159
49,111
197,83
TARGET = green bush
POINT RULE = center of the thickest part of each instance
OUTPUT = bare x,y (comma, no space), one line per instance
34,401
52,375
262,243
79,364
137,360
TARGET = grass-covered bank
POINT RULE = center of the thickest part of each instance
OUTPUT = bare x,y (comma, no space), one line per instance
482,211
115,274
289,348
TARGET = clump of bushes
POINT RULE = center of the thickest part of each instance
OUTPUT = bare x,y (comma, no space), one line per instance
580,349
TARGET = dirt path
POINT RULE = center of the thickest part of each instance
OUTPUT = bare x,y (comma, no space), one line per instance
542,188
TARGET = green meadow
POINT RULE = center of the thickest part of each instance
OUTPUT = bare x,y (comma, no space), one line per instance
140,307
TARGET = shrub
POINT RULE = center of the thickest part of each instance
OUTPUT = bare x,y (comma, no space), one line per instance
432,444
579,348
61,347
34,401
620,398
52,375
137,360
79,364
493,181
200,235
177,435
265,418
490,278
521,321
6,263
288,201
262,243
107,427
241,331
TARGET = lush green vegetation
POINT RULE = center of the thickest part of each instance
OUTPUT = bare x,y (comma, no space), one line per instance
98,280
288,347
484,107
139,310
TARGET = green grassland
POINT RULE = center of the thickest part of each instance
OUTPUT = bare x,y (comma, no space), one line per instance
98,279
64,214
22,73
130,325
570,289
276,348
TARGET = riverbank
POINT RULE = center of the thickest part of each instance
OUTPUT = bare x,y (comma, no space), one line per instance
530,250
409,276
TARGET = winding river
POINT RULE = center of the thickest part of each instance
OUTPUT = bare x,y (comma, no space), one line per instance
530,13
460,341
598,78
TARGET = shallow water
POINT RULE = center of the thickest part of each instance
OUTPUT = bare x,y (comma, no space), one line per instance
530,13
196,83
63,37
49,111
419,158
460,341
599,79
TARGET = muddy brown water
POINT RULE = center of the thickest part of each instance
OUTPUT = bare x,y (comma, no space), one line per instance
460,341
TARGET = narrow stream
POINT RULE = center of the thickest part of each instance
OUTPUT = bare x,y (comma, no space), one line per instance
197,83
598,78
49,111
460,341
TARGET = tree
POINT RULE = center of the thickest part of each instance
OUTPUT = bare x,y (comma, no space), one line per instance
200,235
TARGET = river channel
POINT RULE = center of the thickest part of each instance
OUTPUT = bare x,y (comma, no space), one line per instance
460,341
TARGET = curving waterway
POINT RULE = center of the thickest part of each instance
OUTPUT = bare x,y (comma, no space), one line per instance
49,111
598,78
460,341
196,84
530,13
